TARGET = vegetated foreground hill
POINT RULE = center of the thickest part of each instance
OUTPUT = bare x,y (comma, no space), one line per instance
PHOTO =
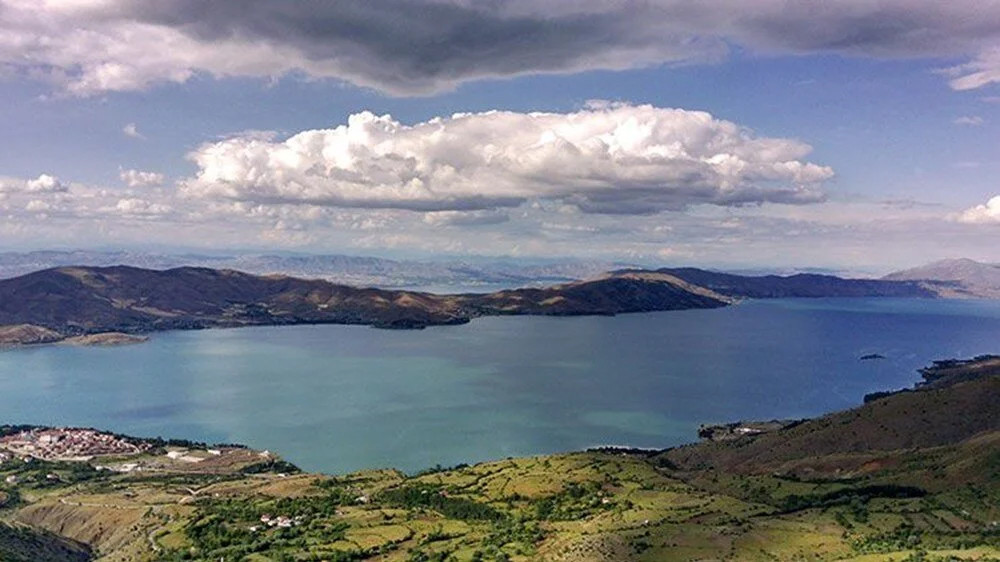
956,278
800,285
886,491
81,300
957,401
20,543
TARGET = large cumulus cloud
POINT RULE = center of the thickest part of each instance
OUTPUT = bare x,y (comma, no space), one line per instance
421,46
606,158
988,213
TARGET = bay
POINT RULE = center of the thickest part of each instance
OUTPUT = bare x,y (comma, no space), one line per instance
341,398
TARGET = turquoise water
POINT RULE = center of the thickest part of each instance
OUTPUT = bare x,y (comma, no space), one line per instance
338,398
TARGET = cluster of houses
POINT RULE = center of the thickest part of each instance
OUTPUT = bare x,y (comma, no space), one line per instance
280,522
14,479
68,444
184,455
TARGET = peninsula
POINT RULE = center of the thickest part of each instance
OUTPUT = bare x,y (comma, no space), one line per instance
113,305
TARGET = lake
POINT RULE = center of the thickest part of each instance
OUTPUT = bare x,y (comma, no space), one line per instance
340,398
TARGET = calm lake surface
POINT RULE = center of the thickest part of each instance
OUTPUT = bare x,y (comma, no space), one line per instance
339,398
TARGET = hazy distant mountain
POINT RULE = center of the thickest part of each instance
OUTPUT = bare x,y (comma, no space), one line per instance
956,277
350,270
802,285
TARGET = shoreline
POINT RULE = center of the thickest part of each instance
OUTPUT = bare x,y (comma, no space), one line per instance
138,337
938,375
100,339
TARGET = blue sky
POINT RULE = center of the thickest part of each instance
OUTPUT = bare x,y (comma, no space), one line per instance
903,132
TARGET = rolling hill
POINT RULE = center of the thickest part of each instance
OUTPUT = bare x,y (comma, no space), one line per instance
957,402
956,278
86,300
19,543
802,285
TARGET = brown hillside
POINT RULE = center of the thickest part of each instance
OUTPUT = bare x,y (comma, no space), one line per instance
82,300
924,418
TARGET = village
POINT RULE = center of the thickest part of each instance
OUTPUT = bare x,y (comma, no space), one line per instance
121,454
67,444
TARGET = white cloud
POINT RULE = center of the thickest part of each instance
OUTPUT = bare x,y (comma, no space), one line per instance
47,195
982,214
44,183
875,234
134,206
130,130
422,46
139,178
466,218
38,206
981,71
969,120
618,159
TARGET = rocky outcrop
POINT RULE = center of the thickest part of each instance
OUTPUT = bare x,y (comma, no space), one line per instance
27,334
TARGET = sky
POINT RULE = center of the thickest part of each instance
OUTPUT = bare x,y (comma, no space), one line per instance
857,134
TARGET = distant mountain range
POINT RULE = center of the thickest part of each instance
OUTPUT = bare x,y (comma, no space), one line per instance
956,278
57,304
361,271
801,285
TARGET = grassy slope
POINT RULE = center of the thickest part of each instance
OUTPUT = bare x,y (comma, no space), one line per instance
24,544
903,421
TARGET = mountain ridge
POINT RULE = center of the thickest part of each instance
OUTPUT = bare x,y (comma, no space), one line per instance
958,278
800,285
75,301
86,300
337,268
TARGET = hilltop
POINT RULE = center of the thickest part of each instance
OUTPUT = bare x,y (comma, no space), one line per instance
956,277
801,285
907,476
